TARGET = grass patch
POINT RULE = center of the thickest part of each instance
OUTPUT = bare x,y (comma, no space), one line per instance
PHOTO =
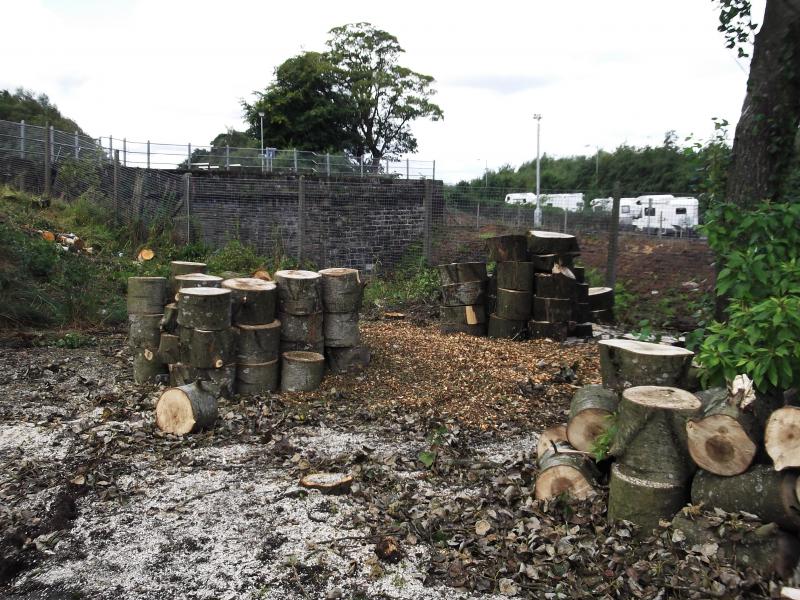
413,282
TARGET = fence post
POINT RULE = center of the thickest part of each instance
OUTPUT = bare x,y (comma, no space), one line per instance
110,148
148,154
660,222
77,146
301,217
22,138
408,170
188,207
361,164
47,162
387,166
328,163
100,153
434,171
227,157
478,218
124,152
52,143
115,184
613,240
427,224
565,219
295,161
189,157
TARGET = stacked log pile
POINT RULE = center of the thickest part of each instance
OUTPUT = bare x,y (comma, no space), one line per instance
300,311
146,296
601,305
463,307
513,278
342,294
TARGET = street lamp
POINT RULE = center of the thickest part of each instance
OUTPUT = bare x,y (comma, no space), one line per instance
538,118
261,117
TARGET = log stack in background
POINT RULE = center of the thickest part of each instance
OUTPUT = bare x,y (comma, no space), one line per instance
513,293
146,297
342,294
601,305
300,311
463,307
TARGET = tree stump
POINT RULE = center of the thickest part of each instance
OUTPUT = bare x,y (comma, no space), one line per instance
169,322
146,295
301,371
651,432
196,280
552,242
782,437
643,501
181,267
256,344
169,348
513,305
257,378
723,439
186,409
504,248
462,272
628,363
308,329
147,366
463,315
342,290
556,285
204,308
299,292
761,491
348,360
553,310
515,276
589,415
461,294
144,331
545,329
287,346
207,349
219,381
601,298
476,329
253,301
507,328
559,473
550,439
341,330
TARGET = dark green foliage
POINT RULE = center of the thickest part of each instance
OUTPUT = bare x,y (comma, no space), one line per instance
34,110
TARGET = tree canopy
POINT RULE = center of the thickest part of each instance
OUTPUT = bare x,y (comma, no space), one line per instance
34,109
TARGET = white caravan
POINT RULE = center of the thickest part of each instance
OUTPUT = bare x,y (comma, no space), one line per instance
666,214
521,198
628,209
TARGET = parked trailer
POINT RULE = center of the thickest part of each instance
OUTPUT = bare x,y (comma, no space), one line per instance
666,214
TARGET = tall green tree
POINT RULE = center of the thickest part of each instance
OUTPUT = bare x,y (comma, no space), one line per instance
34,109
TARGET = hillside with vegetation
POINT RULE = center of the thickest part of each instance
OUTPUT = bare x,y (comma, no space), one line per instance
34,109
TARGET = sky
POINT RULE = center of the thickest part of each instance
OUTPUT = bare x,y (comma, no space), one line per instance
601,74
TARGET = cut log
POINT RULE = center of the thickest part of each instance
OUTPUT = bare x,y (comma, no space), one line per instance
651,432
219,381
507,328
328,483
287,346
463,315
565,473
146,295
181,267
169,322
764,548
207,349
554,310
461,294
581,293
515,276
147,366
513,305
186,409
145,254
308,329
555,285
782,437
262,274
144,331
169,349
580,274
761,491
257,378
196,280
341,330
253,301
603,317
256,344
589,415
552,242
299,292
601,298
581,330
628,363
722,440
342,290
301,371
550,439
545,329
348,360
643,501
543,263
503,248
462,272
581,312
204,308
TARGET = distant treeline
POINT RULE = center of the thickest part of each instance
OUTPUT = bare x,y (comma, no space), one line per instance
34,109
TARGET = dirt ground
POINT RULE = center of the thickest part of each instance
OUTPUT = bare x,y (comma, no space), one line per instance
96,503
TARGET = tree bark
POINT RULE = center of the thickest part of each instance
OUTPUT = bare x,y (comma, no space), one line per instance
146,295
504,248
256,344
552,310
169,322
463,315
181,267
550,439
552,242
308,329
207,349
570,473
287,346
515,276
144,331
147,366
196,280
348,360
301,371
204,308
299,292
257,378
589,415
462,272
253,301
600,298
219,381
186,409
342,290
555,285
341,330
643,501
169,348
628,363
507,328
462,294
545,329
513,305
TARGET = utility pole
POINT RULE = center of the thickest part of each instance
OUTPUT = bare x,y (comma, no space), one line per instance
538,118
485,173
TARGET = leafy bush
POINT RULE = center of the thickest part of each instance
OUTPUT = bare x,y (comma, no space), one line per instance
235,256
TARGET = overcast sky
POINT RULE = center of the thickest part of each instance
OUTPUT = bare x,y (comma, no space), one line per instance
601,73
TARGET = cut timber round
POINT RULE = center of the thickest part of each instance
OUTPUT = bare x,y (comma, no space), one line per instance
545,329
601,298
206,349
761,491
550,439
513,305
348,360
507,329
219,381
573,474
328,483
204,308
256,344
301,371
257,378
604,317
515,276
147,366
145,331
462,272
299,292
341,330
555,285
782,437
720,440
180,267
589,415
554,310
477,330
460,294
169,322
582,330
651,432
581,312
544,263
627,363
504,248
287,346
197,280
580,275
253,301
342,290
169,348
186,409
146,295
552,242
308,329
581,294
643,501
463,315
